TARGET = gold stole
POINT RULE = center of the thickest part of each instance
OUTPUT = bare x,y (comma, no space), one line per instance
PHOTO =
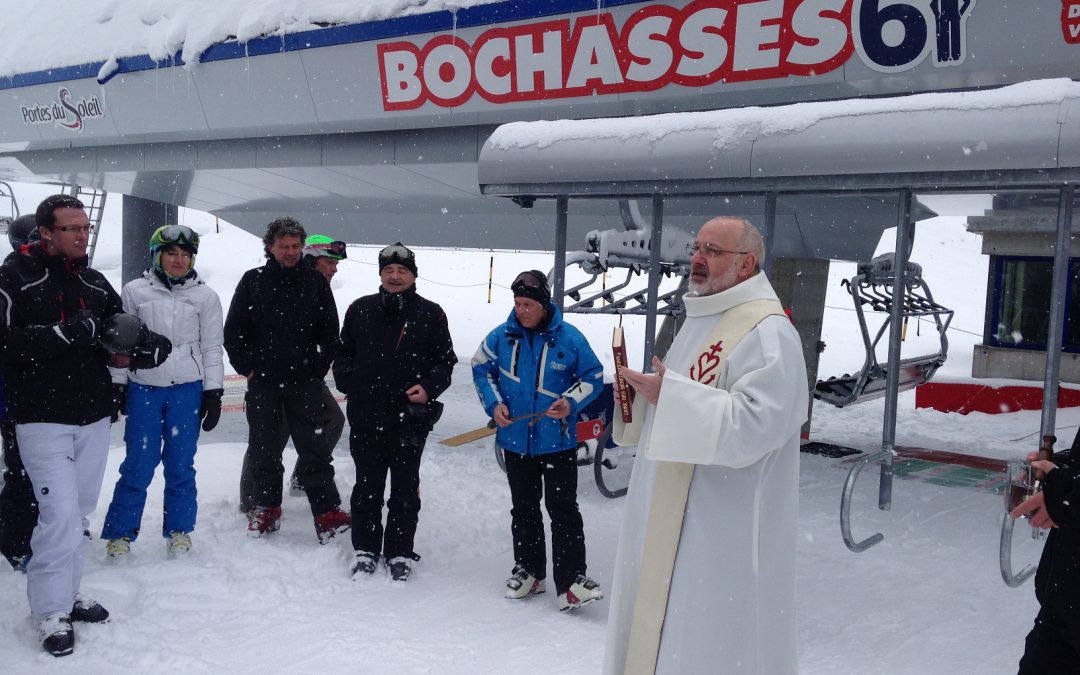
670,492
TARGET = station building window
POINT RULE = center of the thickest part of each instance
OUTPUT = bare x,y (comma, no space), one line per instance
1021,305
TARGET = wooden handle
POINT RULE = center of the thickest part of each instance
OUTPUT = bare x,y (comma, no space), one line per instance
1046,452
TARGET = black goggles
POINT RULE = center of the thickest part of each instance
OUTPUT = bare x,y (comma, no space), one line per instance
527,280
180,234
336,249
396,251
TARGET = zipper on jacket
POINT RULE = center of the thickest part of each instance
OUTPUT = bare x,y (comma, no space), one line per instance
536,387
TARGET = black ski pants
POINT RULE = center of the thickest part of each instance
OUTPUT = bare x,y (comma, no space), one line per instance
377,451
308,414
330,435
18,508
1053,645
555,476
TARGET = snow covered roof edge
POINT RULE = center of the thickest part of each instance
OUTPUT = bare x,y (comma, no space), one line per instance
1028,126
103,39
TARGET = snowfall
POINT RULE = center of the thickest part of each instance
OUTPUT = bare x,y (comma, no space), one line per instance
928,599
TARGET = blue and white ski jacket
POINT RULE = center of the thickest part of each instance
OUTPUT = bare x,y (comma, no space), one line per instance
528,371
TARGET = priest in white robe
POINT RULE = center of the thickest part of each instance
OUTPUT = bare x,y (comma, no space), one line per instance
705,573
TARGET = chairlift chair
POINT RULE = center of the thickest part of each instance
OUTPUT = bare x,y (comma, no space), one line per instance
872,287
13,207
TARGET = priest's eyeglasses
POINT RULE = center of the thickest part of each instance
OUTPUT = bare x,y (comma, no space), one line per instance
708,250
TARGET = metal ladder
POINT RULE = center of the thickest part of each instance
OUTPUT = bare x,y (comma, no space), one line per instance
94,200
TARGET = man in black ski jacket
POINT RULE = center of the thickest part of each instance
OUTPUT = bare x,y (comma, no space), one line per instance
282,333
61,398
18,508
1053,645
396,358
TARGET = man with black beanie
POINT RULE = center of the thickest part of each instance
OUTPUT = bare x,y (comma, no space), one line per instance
533,374
396,358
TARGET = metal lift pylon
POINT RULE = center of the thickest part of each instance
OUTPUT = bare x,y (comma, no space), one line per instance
887,454
640,246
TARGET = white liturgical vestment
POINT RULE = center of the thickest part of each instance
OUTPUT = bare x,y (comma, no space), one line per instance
731,604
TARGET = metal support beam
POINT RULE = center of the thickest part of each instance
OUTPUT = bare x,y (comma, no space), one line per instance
769,232
1057,311
887,454
558,283
654,278
892,394
141,217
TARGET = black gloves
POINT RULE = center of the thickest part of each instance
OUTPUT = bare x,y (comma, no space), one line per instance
119,400
79,331
210,410
151,351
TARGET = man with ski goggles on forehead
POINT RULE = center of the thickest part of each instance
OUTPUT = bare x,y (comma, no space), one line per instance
324,254
533,374
395,360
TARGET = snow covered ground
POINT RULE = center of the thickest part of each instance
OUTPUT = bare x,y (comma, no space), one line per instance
928,600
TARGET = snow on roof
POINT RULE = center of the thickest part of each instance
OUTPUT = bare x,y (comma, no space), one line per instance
46,34
731,127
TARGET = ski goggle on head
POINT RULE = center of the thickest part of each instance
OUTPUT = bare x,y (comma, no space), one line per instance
533,285
179,235
529,280
332,249
396,251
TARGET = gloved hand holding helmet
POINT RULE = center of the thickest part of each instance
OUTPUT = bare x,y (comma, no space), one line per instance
130,344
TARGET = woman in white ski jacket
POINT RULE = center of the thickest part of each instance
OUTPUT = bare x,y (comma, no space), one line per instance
164,405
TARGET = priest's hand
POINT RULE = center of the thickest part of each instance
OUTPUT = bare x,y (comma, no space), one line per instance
647,384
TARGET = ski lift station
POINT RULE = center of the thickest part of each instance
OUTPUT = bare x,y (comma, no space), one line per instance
608,131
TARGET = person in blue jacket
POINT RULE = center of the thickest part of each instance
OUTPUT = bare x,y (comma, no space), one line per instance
533,374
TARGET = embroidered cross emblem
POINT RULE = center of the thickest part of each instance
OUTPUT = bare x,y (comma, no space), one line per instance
703,370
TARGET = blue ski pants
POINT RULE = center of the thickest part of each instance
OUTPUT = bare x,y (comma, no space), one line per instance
162,428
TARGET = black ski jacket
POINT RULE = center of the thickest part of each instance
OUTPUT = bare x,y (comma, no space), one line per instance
282,324
1057,581
47,379
389,342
